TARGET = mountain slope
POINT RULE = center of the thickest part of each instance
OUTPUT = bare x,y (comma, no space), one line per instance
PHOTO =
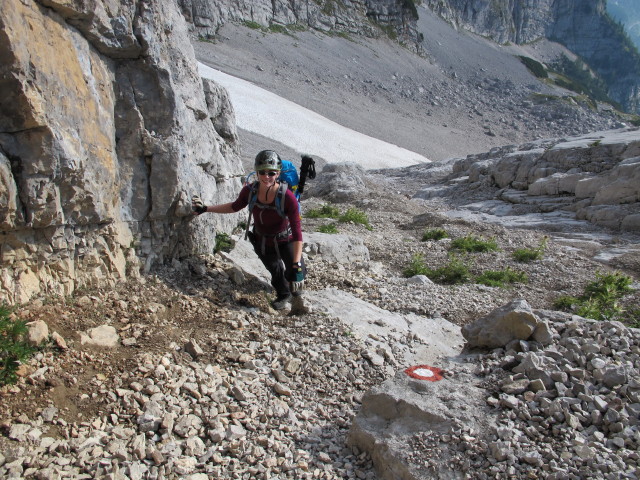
583,26
466,96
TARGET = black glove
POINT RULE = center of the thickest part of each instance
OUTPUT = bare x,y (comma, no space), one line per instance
297,278
198,205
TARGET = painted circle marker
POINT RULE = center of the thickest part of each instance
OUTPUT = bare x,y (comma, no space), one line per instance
425,372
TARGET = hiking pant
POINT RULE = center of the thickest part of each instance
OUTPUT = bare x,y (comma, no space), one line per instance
279,263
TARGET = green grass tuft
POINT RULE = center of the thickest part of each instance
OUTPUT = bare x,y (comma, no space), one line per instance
608,286
473,244
600,299
14,348
356,216
325,211
416,266
500,278
223,243
253,25
275,28
329,228
531,254
455,272
435,234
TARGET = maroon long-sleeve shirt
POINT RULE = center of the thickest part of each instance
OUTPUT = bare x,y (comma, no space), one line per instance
267,221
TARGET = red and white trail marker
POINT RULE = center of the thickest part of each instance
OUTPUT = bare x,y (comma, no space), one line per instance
425,372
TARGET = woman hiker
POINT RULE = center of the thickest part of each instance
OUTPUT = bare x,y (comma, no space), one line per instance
276,238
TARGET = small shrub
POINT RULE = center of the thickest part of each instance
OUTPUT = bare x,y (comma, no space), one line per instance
633,317
534,66
253,25
329,228
14,348
455,272
416,266
565,303
609,286
223,243
356,216
530,254
275,28
435,234
326,211
500,278
473,244
598,309
600,298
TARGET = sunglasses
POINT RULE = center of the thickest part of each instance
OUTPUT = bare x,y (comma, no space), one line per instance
271,173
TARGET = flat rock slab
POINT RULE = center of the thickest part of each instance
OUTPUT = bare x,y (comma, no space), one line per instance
244,257
438,337
102,336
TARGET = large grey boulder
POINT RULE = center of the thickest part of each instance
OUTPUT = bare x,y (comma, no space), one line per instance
514,321
405,415
380,330
338,182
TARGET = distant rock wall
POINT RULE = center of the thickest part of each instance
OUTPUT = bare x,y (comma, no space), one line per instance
349,16
105,133
596,176
581,25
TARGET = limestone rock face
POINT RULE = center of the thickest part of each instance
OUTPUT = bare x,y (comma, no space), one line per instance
351,16
596,176
105,133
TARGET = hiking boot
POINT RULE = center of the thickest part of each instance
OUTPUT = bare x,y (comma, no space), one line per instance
281,301
298,306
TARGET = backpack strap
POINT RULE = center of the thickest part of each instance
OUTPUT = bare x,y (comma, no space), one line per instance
253,198
280,198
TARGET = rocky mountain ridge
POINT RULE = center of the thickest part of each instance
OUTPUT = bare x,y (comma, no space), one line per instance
371,18
579,26
583,27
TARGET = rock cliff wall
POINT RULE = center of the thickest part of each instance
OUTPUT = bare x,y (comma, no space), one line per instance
581,25
105,132
594,177
359,17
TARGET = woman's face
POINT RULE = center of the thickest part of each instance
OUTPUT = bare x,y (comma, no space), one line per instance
268,177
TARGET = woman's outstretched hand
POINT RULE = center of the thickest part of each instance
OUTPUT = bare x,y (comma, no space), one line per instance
198,205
